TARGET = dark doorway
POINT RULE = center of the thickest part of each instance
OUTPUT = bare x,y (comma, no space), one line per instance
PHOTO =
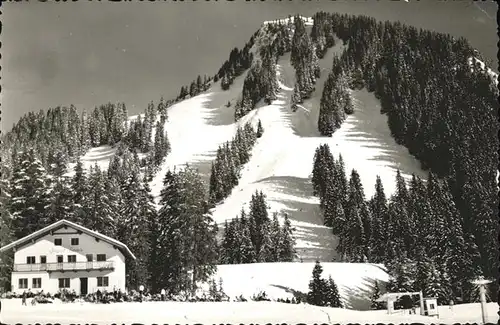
83,286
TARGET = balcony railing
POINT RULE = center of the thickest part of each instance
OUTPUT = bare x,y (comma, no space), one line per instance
59,267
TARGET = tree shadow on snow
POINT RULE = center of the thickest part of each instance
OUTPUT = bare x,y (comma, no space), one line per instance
321,245
219,112
370,128
359,298
290,185
204,165
297,294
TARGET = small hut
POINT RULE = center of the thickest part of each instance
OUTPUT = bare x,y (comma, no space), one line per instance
431,307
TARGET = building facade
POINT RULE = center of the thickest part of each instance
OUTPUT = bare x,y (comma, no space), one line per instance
68,256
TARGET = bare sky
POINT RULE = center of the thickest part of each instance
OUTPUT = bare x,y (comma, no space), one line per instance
89,53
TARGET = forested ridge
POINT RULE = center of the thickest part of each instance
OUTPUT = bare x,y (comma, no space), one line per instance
229,160
442,109
433,235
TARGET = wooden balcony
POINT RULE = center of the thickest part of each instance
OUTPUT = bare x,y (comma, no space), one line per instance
65,267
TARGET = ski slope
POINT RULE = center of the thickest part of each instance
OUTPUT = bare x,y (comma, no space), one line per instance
225,313
282,159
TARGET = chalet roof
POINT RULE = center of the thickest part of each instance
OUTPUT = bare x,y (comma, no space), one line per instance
65,223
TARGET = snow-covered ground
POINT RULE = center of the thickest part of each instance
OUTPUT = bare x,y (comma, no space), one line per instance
224,313
355,281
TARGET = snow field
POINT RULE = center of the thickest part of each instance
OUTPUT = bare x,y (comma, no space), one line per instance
225,312
355,281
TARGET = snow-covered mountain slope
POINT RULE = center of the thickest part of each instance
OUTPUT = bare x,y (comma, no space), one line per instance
282,159
355,281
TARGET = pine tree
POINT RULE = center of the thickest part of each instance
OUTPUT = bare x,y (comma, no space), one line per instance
265,253
224,83
317,287
276,237
330,204
171,273
260,129
332,298
433,284
189,234
79,190
287,251
61,204
6,235
258,208
183,93
98,205
378,205
29,195
59,190
339,220
130,230
376,305
85,141
247,249
161,146
192,89
229,244
296,97
162,110
199,85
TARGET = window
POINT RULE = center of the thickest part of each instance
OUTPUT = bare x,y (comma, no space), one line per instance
71,258
101,257
43,259
58,241
75,241
60,259
23,283
30,259
63,283
90,257
37,283
431,306
102,281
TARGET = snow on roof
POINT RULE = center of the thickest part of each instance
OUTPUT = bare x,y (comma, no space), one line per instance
56,225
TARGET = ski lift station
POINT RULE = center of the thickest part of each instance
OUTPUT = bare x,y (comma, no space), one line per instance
428,306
